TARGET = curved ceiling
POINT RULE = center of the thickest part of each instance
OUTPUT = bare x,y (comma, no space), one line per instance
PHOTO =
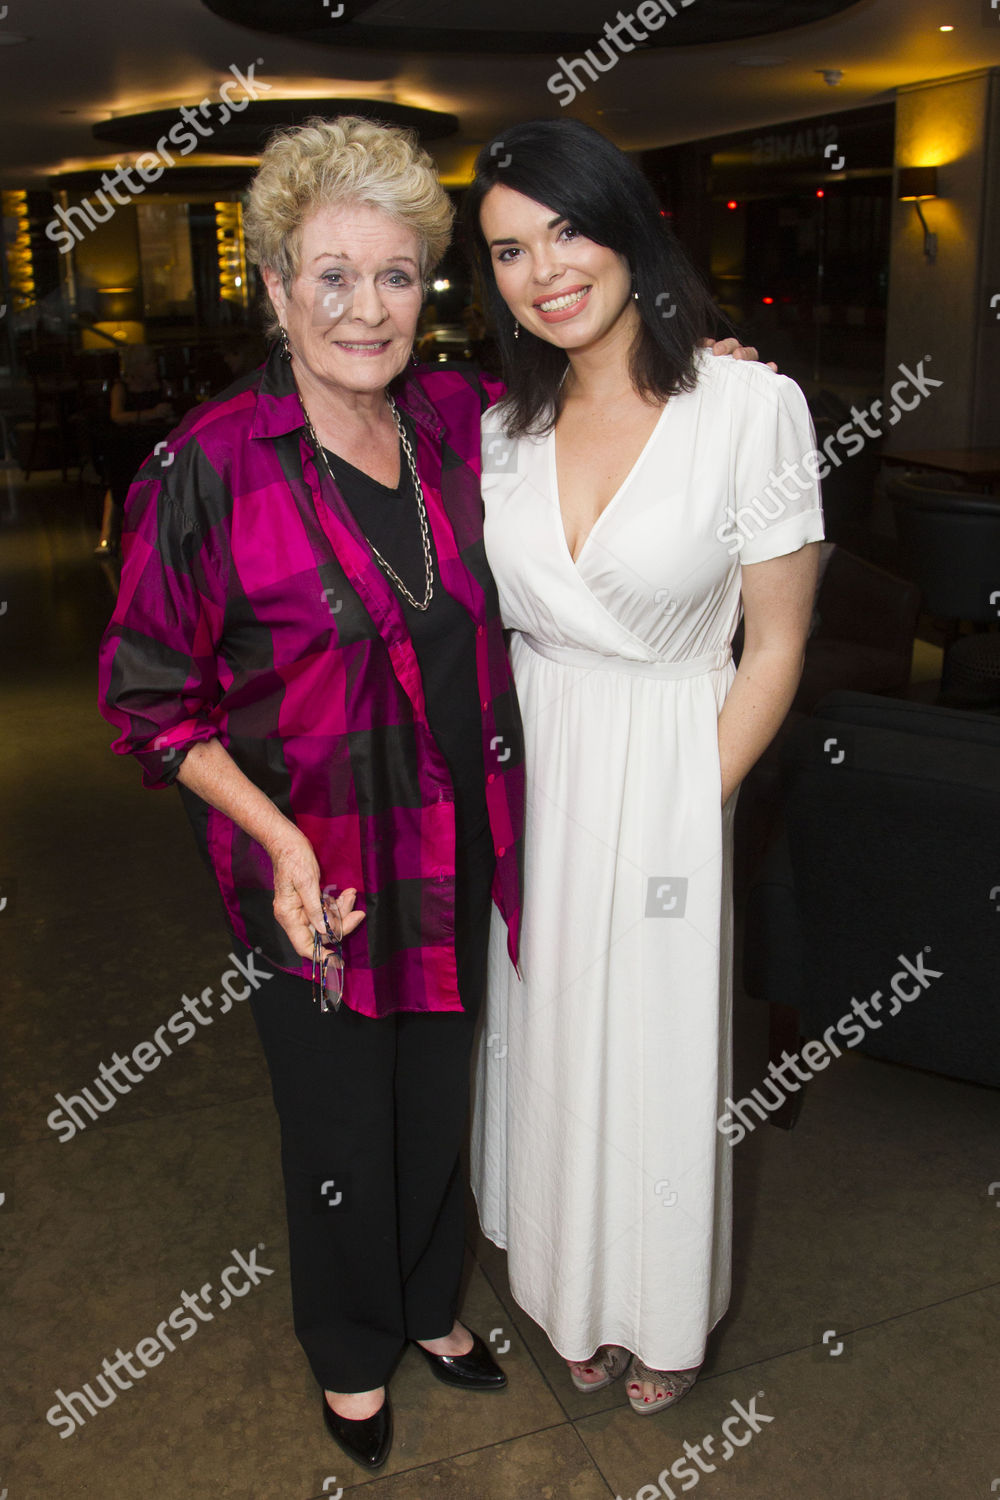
73,67
519,25
245,134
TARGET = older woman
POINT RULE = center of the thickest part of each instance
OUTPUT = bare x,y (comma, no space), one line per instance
308,640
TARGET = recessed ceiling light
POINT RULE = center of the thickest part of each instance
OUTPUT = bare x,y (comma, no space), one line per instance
946,28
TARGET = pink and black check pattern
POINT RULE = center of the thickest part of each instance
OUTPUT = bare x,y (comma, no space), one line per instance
251,610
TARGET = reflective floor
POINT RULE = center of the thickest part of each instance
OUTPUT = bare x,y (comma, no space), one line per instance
861,1345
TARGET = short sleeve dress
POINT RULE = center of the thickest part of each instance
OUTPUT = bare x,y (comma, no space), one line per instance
596,1158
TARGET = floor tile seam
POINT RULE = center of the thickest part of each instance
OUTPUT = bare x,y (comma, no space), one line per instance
465,1453
118,1124
612,1489
841,1332
548,1383
577,1422
751,1364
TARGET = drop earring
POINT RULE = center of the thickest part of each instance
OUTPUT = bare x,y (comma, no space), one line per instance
286,348
517,329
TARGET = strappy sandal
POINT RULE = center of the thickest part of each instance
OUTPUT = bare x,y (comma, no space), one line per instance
677,1383
611,1358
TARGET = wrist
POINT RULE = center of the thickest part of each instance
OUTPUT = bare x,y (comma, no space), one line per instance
281,838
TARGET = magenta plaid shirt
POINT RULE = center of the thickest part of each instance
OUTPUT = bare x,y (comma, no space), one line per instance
252,610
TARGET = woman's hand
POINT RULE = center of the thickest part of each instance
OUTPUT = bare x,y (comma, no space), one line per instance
736,349
212,774
777,606
298,901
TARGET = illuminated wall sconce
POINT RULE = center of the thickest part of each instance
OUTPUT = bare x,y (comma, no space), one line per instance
915,185
231,253
20,266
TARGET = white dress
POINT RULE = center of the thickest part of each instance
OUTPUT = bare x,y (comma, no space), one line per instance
596,1160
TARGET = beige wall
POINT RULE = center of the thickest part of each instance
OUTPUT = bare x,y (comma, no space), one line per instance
939,312
108,255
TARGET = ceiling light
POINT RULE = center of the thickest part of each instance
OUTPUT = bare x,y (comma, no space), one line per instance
946,28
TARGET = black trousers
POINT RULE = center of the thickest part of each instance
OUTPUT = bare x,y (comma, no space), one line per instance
372,1117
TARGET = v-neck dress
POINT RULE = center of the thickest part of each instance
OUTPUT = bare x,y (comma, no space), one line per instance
604,1063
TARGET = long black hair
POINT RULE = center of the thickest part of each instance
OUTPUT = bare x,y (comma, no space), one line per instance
574,170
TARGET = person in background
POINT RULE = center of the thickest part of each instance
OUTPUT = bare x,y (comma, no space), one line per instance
141,414
483,349
243,354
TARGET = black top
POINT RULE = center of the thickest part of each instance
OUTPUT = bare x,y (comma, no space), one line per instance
444,634
128,444
143,400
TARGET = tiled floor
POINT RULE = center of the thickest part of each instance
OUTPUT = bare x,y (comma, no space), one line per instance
872,1223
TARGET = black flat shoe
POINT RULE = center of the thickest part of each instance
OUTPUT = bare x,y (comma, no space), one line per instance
366,1440
475,1371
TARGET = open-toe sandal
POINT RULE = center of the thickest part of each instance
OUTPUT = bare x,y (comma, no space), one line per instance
676,1384
611,1359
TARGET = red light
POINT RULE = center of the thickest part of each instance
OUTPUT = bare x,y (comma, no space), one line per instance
767,301
732,203
820,193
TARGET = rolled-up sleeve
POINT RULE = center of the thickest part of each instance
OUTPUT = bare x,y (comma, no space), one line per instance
159,659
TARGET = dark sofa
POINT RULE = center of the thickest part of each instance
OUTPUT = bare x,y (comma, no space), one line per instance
887,848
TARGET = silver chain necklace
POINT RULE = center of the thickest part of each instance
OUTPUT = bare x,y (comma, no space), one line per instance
425,538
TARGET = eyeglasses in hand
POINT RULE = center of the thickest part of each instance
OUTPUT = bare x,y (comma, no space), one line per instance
328,965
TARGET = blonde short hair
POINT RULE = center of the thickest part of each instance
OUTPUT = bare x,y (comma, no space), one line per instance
347,160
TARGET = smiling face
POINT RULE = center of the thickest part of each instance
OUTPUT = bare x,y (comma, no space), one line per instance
351,312
565,288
